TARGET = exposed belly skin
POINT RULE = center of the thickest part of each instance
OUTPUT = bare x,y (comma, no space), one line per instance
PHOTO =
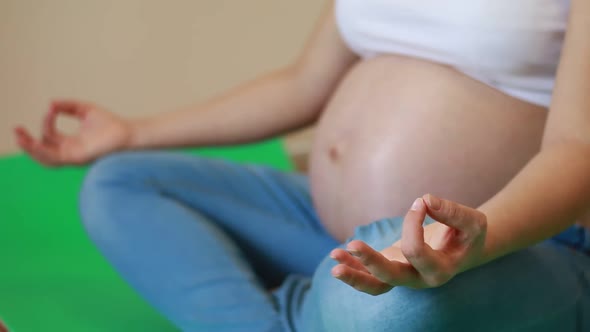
397,128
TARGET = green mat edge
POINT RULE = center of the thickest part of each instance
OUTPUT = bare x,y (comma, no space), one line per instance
269,152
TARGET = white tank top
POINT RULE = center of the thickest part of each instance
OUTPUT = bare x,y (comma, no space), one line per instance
512,45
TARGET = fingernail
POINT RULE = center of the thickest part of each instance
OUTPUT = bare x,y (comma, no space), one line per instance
433,202
418,203
354,252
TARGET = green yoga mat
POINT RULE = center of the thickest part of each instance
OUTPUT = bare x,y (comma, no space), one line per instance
51,276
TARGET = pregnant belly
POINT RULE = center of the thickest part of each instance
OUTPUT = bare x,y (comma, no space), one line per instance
398,128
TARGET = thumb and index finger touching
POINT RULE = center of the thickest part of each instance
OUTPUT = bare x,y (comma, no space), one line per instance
457,216
69,108
44,149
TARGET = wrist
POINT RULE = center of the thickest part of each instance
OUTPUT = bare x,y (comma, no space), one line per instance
497,244
489,252
135,139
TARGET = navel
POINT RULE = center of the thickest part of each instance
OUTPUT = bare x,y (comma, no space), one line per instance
335,152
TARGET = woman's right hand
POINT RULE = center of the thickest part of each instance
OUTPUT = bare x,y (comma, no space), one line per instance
100,132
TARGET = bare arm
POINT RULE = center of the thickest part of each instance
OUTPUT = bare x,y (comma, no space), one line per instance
553,190
283,100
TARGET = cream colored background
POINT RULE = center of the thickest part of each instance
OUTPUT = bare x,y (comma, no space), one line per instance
138,56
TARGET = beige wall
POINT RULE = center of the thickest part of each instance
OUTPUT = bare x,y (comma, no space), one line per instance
138,56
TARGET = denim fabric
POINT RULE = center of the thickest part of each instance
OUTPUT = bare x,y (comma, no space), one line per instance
542,288
203,241
576,237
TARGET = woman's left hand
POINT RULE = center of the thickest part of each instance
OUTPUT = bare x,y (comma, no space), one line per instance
424,257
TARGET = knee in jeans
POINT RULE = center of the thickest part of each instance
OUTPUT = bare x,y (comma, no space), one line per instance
115,167
339,307
113,170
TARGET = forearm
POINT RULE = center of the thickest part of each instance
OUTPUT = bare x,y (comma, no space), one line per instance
281,101
553,190
265,107
547,196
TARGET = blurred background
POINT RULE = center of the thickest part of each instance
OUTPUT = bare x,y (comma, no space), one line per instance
135,57
139,57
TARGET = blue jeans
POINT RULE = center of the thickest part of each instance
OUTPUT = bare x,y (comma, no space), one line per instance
203,241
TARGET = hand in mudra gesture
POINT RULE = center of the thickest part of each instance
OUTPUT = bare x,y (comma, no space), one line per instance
100,132
424,257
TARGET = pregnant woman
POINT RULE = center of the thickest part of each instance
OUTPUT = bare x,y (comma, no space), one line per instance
471,119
